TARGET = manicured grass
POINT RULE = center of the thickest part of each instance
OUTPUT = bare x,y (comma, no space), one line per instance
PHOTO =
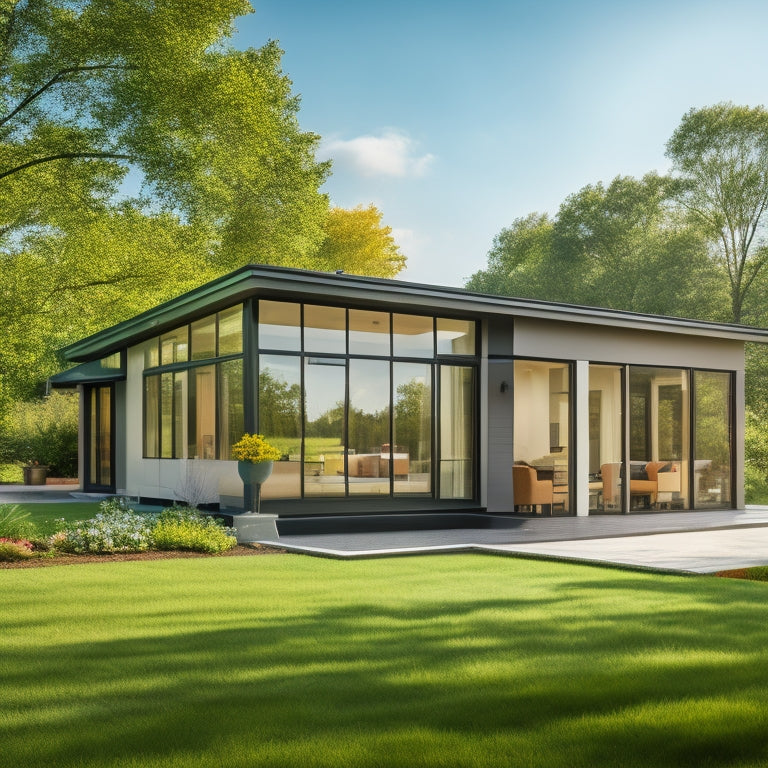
45,514
463,660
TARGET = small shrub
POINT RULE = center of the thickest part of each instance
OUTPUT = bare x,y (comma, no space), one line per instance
15,549
14,523
117,528
186,529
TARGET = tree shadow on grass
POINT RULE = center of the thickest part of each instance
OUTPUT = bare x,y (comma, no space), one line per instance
631,672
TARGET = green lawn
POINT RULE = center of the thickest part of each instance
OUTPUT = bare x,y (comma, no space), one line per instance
45,514
463,660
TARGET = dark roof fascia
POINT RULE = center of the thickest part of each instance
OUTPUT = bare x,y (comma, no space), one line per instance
282,282
87,373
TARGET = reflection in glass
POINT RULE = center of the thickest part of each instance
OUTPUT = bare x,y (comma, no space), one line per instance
457,409
231,424
151,411
152,353
368,459
166,416
324,383
279,325
280,422
231,331
412,439
542,437
174,346
412,336
605,439
368,332
659,430
202,412
712,446
179,413
325,329
455,337
104,437
204,338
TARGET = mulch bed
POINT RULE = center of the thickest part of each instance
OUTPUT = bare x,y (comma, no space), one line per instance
241,550
736,573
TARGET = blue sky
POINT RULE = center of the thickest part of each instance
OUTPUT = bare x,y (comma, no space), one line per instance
456,118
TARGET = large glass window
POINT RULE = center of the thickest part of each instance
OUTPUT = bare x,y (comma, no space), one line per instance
712,439
202,412
325,329
411,450
324,427
279,325
457,418
280,411
540,475
659,438
369,441
230,331
367,420
368,333
455,337
606,454
231,421
413,336
151,417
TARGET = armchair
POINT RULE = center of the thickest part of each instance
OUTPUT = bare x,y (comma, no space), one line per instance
529,491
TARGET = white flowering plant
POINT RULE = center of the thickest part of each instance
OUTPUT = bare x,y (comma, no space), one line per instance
116,528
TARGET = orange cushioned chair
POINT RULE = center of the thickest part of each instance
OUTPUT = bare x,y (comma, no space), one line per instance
529,491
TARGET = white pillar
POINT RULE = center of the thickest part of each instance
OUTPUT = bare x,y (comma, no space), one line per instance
580,465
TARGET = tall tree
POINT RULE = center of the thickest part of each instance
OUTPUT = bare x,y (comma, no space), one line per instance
357,242
92,88
720,154
516,258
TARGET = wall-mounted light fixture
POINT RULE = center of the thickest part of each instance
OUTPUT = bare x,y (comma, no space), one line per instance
504,387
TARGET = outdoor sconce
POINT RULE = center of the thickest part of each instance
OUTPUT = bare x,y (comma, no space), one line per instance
504,387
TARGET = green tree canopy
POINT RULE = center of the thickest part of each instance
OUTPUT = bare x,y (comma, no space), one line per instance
720,154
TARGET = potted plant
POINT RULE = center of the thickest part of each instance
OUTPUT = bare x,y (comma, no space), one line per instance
34,473
255,458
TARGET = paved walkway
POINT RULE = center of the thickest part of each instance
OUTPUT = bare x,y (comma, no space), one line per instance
690,542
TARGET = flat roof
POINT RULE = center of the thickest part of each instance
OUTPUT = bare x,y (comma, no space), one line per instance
326,287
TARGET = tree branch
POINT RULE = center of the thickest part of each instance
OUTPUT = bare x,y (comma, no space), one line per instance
55,79
66,156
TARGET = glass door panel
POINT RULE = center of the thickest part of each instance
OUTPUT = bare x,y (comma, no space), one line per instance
606,453
411,450
325,396
280,422
99,469
368,460
457,417
659,438
712,439
540,478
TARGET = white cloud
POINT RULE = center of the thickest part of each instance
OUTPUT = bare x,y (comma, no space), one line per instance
391,154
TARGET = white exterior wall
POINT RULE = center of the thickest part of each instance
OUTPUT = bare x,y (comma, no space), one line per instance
165,478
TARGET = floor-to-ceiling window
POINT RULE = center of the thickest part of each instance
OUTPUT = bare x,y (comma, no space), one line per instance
606,439
541,476
370,403
100,408
659,438
712,453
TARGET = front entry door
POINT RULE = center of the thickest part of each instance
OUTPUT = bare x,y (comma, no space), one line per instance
99,438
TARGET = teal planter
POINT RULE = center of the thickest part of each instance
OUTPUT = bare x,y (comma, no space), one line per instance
254,474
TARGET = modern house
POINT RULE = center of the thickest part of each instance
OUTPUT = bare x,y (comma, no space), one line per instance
385,396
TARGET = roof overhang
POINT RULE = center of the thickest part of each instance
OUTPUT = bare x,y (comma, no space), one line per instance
92,372
303,285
